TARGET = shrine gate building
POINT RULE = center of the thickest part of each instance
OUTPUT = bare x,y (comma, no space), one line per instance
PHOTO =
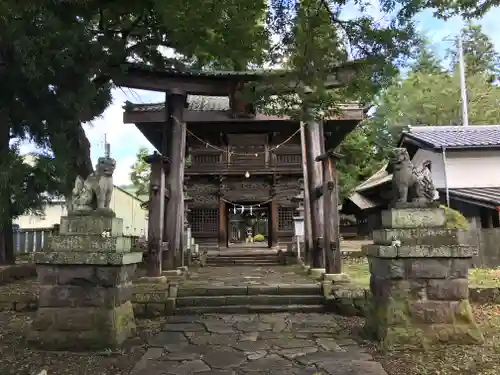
236,160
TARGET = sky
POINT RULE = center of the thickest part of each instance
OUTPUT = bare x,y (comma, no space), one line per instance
125,139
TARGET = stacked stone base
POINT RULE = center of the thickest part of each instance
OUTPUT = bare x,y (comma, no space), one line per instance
84,328
419,283
85,287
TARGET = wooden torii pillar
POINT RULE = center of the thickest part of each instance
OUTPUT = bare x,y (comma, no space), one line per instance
175,102
331,241
156,213
315,146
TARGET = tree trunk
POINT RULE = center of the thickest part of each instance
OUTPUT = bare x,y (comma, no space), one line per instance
7,255
72,145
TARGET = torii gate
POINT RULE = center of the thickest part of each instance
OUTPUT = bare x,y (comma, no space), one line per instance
166,207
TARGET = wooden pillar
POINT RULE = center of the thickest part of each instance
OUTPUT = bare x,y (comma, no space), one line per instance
222,223
308,239
175,207
273,227
315,147
156,212
331,244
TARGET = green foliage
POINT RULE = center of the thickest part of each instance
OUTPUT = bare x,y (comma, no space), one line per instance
454,219
465,8
140,173
426,97
360,160
259,238
427,61
36,182
480,55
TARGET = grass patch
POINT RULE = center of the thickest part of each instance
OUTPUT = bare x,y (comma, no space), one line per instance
484,277
358,273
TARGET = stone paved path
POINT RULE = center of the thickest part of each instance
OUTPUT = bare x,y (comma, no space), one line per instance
242,275
267,344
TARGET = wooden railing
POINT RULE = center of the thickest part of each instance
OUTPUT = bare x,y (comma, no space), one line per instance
212,161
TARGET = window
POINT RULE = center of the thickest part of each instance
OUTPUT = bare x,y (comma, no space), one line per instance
285,218
204,220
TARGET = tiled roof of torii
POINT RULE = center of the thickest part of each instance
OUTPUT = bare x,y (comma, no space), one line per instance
203,103
195,103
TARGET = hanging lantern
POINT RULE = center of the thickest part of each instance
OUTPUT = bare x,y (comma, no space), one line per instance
247,174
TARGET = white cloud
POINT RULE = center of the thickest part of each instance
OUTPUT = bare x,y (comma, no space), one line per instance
122,171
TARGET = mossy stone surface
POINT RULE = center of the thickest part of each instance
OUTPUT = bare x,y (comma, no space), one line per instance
90,258
89,243
394,324
91,225
413,218
111,327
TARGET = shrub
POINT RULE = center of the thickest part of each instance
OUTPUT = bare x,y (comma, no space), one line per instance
258,238
454,219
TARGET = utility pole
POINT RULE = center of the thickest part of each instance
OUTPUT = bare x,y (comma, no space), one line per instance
463,87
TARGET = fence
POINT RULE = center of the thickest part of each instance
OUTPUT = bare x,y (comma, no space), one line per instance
488,242
27,241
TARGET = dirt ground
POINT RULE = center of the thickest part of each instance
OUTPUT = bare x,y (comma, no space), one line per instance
18,359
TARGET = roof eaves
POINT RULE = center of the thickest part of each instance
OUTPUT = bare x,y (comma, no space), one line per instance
416,141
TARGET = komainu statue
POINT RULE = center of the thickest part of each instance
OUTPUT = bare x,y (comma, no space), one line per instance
409,183
94,193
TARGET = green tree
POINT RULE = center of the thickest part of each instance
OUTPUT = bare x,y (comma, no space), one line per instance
428,98
140,173
427,62
360,160
480,55
56,60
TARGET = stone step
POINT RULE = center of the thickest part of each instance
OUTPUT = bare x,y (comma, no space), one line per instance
246,257
244,262
252,290
239,258
217,265
249,309
257,300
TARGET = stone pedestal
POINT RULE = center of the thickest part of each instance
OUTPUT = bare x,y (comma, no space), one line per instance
85,278
419,281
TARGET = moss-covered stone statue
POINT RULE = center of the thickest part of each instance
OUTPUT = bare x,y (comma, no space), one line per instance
410,183
94,193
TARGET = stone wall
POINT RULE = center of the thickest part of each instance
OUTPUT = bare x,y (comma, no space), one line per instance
15,272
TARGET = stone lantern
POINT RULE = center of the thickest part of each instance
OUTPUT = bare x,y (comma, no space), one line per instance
298,223
186,233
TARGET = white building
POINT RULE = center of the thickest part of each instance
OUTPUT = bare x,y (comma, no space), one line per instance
465,170
125,205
